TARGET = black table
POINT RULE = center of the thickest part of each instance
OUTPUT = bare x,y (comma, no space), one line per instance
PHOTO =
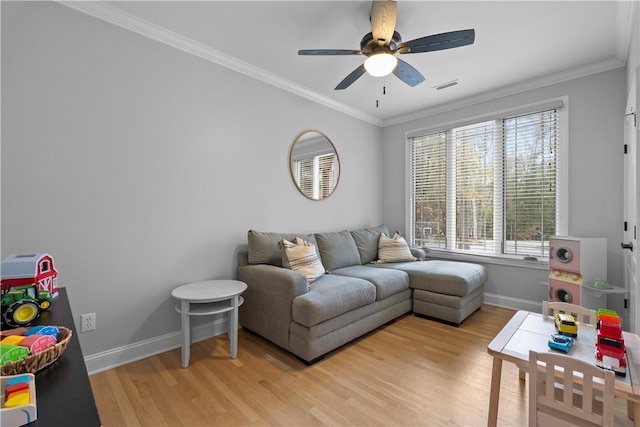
63,391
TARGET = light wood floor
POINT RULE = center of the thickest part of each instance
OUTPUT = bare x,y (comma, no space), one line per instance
411,372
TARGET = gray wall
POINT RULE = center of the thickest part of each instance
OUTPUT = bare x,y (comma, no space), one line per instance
596,107
139,167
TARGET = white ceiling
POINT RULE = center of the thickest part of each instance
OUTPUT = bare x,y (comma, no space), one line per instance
519,45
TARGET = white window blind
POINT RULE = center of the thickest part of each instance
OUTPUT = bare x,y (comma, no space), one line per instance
488,188
530,181
429,176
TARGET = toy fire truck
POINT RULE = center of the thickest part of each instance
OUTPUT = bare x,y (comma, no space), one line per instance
610,350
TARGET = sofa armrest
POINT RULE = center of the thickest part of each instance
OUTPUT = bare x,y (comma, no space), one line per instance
419,253
268,300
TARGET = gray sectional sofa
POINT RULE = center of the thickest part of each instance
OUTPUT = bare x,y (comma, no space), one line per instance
356,294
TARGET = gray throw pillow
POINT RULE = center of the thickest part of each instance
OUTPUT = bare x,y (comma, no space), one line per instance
337,250
367,242
263,246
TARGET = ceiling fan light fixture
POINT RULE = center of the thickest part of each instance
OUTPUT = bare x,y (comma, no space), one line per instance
383,42
380,64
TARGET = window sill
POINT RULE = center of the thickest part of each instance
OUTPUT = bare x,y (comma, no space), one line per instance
484,259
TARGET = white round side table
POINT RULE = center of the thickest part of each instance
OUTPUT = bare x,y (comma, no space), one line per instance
206,298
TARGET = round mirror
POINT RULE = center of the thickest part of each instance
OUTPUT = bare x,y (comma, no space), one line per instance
315,166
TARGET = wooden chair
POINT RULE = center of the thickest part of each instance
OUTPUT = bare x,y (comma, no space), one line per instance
567,396
582,314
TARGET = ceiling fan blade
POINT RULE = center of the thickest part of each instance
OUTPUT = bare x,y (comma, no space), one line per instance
355,75
329,52
383,21
438,42
408,74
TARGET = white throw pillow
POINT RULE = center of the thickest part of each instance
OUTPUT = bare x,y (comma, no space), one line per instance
301,256
394,249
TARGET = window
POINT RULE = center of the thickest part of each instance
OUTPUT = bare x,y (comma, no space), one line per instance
489,187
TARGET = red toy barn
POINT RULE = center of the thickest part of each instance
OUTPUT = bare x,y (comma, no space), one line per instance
25,269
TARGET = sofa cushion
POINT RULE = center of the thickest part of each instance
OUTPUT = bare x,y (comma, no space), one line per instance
447,307
365,314
263,246
337,250
301,256
367,242
394,249
331,296
444,277
387,281
451,301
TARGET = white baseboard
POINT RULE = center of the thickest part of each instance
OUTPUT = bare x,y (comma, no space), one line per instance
514,303
119,356
130,353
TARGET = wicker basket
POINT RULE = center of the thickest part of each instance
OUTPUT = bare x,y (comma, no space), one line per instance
34,363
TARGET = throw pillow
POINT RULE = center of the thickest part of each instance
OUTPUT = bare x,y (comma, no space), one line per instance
263,247
394,249
301,256
337,249
367,240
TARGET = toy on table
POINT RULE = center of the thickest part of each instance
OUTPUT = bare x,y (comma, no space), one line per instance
18,400
610,349
28,286
16,344
566,324
560,342
608,315
12,353
601,284
43,330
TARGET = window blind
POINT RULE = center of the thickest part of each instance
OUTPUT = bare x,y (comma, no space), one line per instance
473,155
530,174
429,169
489,187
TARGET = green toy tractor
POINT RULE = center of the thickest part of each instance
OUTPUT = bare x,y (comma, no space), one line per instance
22,304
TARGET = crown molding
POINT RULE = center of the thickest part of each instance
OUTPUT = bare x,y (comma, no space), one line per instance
117,17
125,20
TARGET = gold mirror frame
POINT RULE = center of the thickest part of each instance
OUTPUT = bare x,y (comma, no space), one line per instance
314,165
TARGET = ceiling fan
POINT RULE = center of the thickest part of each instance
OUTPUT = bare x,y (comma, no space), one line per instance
383,42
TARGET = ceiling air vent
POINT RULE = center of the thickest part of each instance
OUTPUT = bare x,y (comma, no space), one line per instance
446,85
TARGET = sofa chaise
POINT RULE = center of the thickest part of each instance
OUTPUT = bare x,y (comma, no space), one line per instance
354,293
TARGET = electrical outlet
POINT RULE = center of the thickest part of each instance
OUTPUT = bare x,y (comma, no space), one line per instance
88,322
